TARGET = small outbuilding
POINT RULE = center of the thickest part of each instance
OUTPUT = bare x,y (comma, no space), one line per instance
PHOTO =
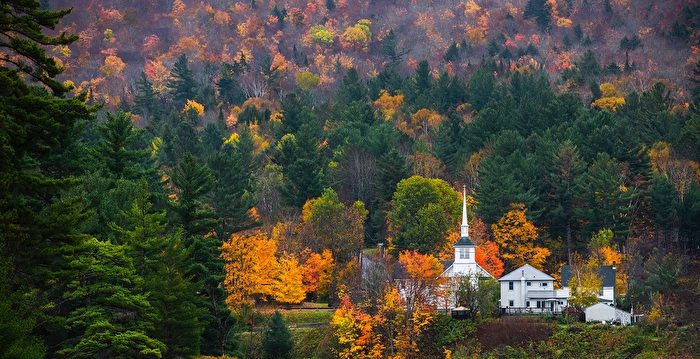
602,312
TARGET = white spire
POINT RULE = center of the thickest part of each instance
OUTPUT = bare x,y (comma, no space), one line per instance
465,226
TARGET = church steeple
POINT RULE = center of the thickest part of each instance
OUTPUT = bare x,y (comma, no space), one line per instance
464,229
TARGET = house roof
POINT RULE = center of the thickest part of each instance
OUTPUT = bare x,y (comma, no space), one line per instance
465,242
527,271
606,273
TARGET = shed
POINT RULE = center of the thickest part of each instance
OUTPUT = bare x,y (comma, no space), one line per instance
602,312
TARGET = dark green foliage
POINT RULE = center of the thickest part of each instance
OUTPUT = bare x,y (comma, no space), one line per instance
146,101
194,182
606,195
120,148
277,340
588,65
233,191
109,316
452,53
229,88
182,84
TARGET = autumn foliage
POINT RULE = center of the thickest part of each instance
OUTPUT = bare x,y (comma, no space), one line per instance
516,237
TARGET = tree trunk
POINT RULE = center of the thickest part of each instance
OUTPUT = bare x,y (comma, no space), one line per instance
569,243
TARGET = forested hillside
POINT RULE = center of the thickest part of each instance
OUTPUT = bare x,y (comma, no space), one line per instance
169,169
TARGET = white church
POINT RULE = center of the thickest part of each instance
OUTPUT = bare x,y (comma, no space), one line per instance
464,262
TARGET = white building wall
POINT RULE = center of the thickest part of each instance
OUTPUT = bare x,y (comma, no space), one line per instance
605,313
515,295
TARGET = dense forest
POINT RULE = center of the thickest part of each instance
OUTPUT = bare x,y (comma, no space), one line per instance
172,172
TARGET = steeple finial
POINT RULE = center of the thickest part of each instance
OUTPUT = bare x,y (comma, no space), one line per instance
464,229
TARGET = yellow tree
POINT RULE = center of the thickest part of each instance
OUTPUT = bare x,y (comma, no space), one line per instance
250,268
585,283
516,235
611,99
423,279
289,287
356,332
605,253
388,105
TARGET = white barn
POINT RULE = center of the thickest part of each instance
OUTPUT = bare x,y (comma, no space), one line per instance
602,312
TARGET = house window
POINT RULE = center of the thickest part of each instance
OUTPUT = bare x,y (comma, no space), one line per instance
544,284
510,303
539,304
529,284
510,285
527,304
463,253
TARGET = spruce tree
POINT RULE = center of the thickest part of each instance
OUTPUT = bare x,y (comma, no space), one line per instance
146,102
182,84
233,195
193,181
277,340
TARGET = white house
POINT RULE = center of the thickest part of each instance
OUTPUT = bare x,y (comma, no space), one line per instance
529,290
606,273
603,312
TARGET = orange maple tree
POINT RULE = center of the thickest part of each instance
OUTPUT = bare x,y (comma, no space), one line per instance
516,236
487,257
316,273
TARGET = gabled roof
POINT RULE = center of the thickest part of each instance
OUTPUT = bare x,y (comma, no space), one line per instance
527,271
465,242
606,273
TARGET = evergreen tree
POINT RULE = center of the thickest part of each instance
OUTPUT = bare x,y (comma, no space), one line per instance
39,218
566,167
352,88
119,147
277,340
233,193
499,186
182,84
146,101
607,200
193,182
110,316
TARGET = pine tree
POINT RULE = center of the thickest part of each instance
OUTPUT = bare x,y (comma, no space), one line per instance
39,218
193,182
567,166
110,316
146,101
118,149
277,340
233,195
182,84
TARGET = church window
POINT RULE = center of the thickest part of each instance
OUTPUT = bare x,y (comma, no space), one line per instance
510,285
544,284
527,304
529,284
510,303
463,253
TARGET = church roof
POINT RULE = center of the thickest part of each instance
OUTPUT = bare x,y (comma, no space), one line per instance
606,273
465,242
527,271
